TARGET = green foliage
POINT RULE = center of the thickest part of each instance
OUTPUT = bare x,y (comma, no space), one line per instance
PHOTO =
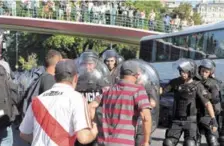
30,63
184,11
147,6
72,47
62,43
28,43
59,41
197,18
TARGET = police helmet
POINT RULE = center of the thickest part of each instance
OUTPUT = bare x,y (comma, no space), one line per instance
111,53
88,55
93,75
187,65
208,64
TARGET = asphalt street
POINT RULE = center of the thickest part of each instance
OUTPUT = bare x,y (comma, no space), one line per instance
157,138
159,135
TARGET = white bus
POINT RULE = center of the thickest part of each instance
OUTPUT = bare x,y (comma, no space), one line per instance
196,43
206,41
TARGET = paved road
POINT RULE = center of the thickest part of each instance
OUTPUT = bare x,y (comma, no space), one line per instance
158,137
159,134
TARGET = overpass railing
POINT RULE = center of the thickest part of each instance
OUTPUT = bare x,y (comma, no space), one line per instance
87,17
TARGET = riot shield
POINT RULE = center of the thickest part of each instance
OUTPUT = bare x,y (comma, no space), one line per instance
150,79
93,76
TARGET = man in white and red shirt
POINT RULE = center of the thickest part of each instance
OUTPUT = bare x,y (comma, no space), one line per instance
59,116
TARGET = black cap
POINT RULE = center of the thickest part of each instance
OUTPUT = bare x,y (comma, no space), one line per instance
129,67
66,67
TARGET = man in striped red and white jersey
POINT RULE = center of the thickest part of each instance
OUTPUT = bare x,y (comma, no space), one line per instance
122,104
59,116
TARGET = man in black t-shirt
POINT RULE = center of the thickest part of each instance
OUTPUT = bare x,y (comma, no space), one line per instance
47,79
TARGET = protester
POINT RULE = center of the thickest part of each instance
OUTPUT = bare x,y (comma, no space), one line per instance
122,104
60,114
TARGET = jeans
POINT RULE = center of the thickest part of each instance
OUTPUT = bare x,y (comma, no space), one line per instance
17,140
6,136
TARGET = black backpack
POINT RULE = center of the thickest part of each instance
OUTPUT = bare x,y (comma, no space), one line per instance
8,99
32,92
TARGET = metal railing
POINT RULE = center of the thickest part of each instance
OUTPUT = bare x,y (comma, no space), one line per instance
57,13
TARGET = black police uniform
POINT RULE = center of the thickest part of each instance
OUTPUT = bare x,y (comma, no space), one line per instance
185,111
90,83
90,89
204,119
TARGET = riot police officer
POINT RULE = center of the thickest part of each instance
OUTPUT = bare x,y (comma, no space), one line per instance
111,58
206,71
186,92
93,76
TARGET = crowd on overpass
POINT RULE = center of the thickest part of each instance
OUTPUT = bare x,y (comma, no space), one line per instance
101,12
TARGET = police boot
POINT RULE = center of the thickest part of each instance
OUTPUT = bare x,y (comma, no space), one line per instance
212,140
189,142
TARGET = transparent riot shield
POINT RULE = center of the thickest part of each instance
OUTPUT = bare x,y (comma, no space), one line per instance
150,79
93,76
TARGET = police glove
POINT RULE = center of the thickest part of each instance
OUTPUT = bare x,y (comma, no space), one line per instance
214,124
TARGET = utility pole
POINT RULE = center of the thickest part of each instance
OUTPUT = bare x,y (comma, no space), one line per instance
1,41
17,51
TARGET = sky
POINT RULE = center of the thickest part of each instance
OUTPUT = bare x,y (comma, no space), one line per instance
194,2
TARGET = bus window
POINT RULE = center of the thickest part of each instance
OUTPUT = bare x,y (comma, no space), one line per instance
180,41
175,53
162,49
196,41
199,45
183,52
146,50
215,44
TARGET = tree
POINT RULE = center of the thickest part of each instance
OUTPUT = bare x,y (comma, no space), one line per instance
184,11
30,63
64,44
197,18
28,43
147,6
70,47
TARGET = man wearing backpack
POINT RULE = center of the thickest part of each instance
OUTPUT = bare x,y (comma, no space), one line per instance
45,81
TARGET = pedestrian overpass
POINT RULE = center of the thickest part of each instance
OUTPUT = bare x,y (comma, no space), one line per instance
82,29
